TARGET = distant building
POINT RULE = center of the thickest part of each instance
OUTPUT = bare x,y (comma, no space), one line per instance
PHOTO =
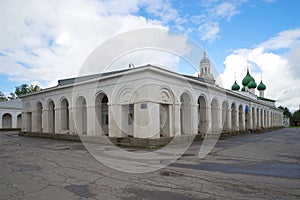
286,121
11,114
148,102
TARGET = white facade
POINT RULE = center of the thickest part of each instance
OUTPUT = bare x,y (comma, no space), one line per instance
144,102
10,114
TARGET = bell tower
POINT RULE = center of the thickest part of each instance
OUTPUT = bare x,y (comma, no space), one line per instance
205,72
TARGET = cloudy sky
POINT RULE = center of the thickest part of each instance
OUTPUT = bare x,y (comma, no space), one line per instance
43,41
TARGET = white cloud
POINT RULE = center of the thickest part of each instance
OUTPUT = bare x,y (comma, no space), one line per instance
214,12
280,69
226,10
49,40
285,39
209,31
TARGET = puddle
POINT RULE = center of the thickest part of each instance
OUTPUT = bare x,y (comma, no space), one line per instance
80,190
29,168
169,173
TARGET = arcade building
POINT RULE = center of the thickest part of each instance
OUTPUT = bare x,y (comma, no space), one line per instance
149,102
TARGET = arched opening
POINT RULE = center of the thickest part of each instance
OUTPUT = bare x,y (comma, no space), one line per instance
19,121
214,116
253,119
185,114
51,117
81,116
241,120
64,115
39,118
6,120
101,103
247,117
234,120
202,115
225,118
166,100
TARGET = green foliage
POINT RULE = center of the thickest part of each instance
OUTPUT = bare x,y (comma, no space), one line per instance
286,111
25,89
296,115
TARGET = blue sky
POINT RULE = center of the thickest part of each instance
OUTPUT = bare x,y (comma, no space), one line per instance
43,41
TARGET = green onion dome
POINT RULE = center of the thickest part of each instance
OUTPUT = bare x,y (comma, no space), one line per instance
261,86
235,86
243,88
252,84
247,79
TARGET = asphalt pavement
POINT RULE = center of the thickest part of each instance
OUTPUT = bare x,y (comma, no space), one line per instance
248,166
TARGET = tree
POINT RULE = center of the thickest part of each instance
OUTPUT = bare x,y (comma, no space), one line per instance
3,97
286,111
25,89
296,115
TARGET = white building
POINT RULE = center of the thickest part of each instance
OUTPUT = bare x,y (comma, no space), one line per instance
146,102
10,112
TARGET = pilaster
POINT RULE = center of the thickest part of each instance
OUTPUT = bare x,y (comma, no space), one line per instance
209,121
45,127
57,120
91,116
177,127
72,127
228,121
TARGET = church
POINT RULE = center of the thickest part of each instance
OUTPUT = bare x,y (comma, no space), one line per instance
149,102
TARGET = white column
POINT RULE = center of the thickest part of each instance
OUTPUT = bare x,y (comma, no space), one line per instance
259,119
1,120
24,121
250,124
91,116
171,120
45,121
208,120
219,121
34,121
242,128
114,118
194,119
228,121
270,119
13,120
235,120
177,128
57,120
254,125
263,119
72,112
